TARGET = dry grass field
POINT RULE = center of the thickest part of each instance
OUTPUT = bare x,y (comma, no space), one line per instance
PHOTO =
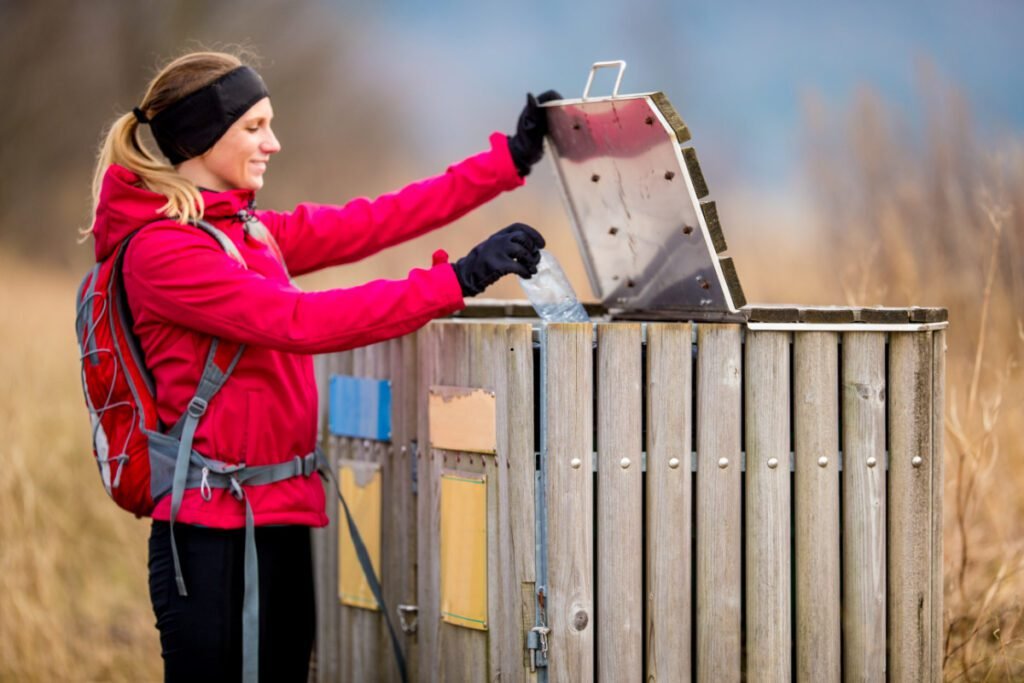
942,226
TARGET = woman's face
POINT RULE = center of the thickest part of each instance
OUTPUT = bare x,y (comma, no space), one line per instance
238,160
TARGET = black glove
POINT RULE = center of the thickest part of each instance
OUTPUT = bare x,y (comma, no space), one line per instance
515,249
527,145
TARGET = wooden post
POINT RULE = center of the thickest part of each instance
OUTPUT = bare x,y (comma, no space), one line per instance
719,533
619,503
669,520
864,398
767,523
910,505
569,386
816,503
938,487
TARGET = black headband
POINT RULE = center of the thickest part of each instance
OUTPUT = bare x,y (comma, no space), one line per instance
194,123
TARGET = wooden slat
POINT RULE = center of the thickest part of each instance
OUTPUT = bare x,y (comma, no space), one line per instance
767,530
710,210
910,501
671,116
569,386
463,652
669,520
515,466
816,505
732,281
405,373
700,186
488,353
399,514
884,315
719,534
431,341
863,481
921,314
772,314
363,627
938,488
828,314
619,503
328,611
342,449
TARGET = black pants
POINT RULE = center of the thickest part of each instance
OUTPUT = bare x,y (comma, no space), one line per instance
201,635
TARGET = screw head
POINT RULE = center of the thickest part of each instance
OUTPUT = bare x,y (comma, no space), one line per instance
822,461
871,461
773,463
624,463
673,463
575,462
723,462
916,461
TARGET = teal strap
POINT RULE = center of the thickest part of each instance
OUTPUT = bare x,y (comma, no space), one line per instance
212,379
371,576
196,408
251,603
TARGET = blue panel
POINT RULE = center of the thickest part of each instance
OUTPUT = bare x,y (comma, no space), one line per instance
360,407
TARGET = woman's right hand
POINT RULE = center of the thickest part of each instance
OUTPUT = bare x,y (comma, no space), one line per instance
515,249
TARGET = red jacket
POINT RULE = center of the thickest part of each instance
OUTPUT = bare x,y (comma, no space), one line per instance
183,289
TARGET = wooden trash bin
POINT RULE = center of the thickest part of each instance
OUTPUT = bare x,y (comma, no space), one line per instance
673,501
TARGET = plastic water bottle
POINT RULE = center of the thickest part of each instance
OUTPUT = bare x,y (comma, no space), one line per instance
551,294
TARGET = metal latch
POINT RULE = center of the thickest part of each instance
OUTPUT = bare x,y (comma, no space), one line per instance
408,627
537,639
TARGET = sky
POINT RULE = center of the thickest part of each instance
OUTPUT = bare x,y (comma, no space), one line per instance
739,73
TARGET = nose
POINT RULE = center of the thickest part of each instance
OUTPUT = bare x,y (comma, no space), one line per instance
270,144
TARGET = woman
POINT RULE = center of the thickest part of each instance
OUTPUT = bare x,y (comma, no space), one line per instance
211,117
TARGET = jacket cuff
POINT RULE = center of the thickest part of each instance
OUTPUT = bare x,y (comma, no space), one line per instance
508,174
448,284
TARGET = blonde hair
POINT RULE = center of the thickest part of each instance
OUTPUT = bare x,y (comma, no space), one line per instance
123,145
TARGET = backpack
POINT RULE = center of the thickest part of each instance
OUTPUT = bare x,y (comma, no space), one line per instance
119,391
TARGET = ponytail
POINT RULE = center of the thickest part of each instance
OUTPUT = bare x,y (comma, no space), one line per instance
124,147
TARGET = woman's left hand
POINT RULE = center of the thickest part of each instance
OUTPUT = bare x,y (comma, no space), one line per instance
527,145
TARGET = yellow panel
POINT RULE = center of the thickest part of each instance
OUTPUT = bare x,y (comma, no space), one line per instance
464,549
360,485
463,419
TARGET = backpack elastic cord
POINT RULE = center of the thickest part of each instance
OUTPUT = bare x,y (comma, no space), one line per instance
371,576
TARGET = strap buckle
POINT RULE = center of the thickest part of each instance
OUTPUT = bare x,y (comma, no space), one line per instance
236,489
197,407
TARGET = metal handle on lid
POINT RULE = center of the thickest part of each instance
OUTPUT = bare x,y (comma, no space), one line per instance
602,65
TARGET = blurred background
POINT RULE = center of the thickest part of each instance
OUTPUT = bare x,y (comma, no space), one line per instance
869,153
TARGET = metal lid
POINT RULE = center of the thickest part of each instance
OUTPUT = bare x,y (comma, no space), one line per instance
633,194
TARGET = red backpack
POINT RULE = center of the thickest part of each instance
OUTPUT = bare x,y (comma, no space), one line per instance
118,388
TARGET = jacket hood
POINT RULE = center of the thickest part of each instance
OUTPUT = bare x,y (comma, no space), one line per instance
125,206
